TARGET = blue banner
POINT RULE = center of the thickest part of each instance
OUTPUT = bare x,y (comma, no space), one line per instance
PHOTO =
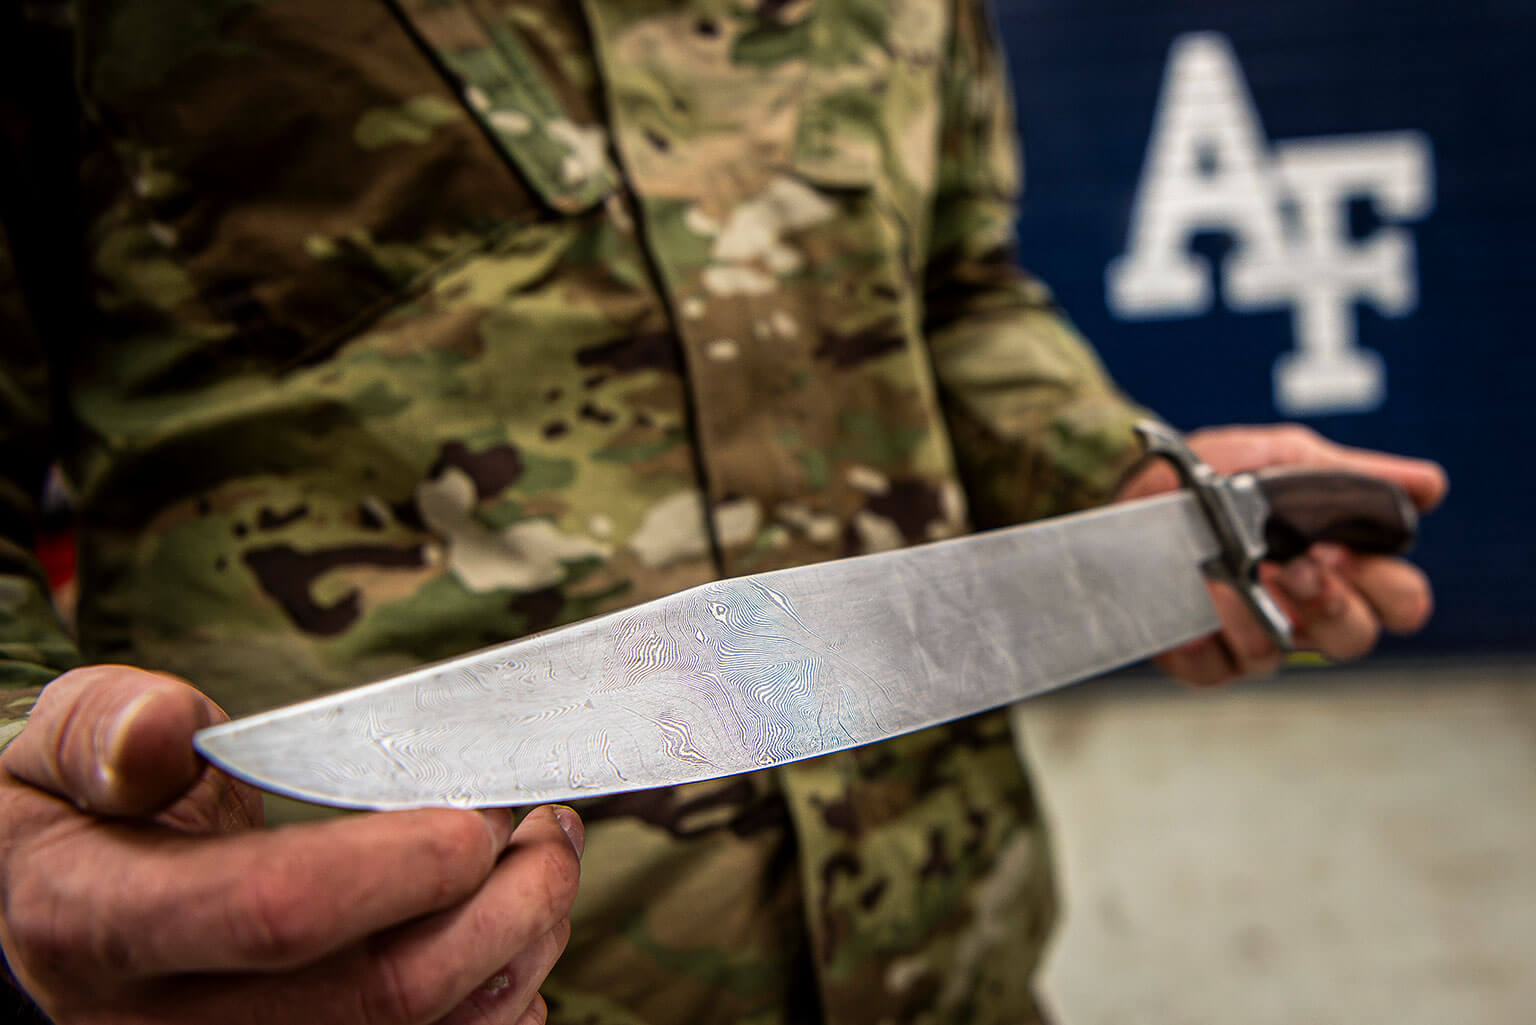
1312,211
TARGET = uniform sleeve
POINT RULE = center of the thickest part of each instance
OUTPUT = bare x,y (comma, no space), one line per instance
35,646
1039,428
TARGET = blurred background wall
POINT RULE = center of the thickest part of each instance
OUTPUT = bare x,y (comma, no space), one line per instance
1318,210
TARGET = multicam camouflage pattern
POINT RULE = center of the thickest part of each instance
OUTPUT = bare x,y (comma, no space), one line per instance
407,327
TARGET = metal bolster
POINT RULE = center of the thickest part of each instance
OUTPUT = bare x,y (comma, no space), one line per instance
1236,509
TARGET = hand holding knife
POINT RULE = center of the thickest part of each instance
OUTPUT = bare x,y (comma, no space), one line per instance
1339,600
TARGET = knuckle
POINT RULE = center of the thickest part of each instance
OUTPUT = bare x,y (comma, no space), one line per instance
42,930
59,931
393,994
540,956
273,921
1298,437
1299,432
561,935
455,858
73,733
560,871
75,683
1198,664
1288,443
1256,649
1357,642
458,838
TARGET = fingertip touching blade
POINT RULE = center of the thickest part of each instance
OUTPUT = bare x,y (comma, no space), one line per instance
751,672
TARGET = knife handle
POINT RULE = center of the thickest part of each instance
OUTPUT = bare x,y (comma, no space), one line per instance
1367,514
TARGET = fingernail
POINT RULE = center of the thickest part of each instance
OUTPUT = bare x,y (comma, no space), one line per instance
1302,579
570,824
107,743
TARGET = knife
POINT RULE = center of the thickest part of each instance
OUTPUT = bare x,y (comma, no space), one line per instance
758,671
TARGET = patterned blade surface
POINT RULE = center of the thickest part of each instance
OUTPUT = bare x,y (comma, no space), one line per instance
751,672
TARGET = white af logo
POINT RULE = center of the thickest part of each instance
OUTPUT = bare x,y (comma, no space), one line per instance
1209,168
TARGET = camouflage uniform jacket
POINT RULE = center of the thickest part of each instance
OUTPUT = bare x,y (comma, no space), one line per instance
372,331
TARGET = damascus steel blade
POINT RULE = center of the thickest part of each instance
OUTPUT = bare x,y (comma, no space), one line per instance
750,672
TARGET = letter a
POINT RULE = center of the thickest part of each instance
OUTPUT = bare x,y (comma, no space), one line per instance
1207,169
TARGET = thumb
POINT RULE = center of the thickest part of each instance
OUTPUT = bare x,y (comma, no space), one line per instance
1230,449
113,739
1424,481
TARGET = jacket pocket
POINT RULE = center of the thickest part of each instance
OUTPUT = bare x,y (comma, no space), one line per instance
289,170
871,105
565,161
870,114
867,140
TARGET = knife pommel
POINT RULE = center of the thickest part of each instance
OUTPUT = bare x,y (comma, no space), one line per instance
1306,506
